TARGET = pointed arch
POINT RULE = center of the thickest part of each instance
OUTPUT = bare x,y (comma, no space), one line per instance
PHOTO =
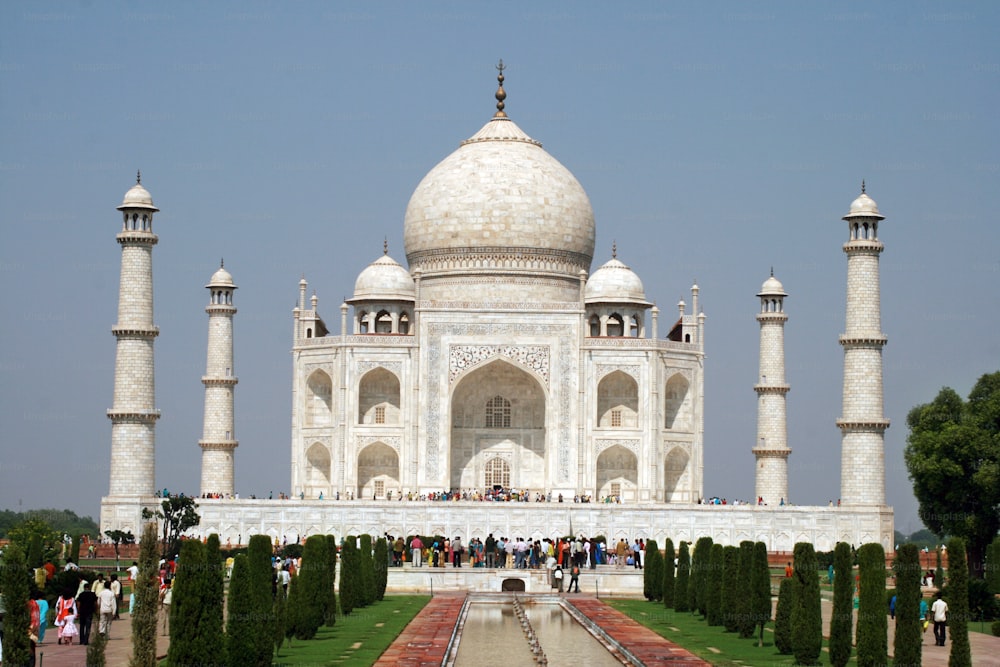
677,408
317,477
595,326
379,397
319,399
617,401
675,467
616,325
383,322
378,471
617,473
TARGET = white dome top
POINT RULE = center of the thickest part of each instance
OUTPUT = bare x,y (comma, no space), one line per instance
772,287
500,202
221,278
864,206
385,280
614,283
137,197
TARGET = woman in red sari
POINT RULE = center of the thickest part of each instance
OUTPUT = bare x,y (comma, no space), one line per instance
66,618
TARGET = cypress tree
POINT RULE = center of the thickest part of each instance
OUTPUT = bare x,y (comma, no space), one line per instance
909,631
873,645
330,608
34,557
760,588
145,592
713,594
668,573
241,626
681,602
210,626
652,572
187,646
744,599
787,594
842,619
292,607
958,604
367,570
312,577
729,595
807,621
74,550
381,565
15,582
261,584
350,576
280,616
699,572
96,649
939,570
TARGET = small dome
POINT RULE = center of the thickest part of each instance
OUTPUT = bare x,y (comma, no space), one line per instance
772,287
137,197
864,207
615,283
386,280
221,278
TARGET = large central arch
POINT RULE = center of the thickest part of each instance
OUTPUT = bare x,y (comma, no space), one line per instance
378,471
498,410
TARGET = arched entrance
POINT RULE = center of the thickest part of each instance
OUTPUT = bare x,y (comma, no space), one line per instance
617,473
498,412
674,469
317,477
378,471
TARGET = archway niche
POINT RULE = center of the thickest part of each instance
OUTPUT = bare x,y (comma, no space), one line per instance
317,477
319,399
618,401
677,406
378,398
378,471
617,473
675,467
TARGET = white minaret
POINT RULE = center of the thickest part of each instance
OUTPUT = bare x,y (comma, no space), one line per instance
133,415
862,424
771,449
218,440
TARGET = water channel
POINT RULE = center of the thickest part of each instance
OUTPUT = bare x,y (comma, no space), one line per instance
527,630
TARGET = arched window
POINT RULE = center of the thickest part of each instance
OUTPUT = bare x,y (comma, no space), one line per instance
404,324
498,412
497,473
634,328
595,326
616,327
363,322
383,322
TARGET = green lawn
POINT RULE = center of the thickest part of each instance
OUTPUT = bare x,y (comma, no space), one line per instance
357,639
712,644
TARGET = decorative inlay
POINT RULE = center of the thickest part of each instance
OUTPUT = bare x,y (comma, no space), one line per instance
669,372
363,441
605,369
532,357
394,367
607,443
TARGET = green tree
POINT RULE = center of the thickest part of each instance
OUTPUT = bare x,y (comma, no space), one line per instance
241,626
713,594
958,604
178,514
210,624
681,600
34,557
730,588
787,594
330,608
261,580
807,621
744,600
292,608
909,625
760,590
842,619
95,650
74,549
381,564
668,573
118,538
280,618
350,576
312,579
145,591
188,646
873,649
652,572
367,570
953,457
700,572
23,533
993,567
15,582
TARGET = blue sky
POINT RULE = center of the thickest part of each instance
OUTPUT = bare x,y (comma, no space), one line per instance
715,140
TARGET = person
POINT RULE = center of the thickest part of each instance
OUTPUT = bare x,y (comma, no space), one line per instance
621,553
557,577
133,576
397,551
923,613
43,614
940,612
66,617
86,603
892,608
456,552
107,606
116,588
574,578
789,571
166,598
830,573
284,578
416,550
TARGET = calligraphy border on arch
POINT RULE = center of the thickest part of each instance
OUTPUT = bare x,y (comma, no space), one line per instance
362,441
606,369
366,365
532,357
607,443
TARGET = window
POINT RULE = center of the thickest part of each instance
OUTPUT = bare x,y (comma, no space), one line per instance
497,473
616,489
380,414
616,327
498,412
383,322
616,418
379,488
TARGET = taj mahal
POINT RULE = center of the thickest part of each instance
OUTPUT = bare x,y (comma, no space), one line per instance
498,361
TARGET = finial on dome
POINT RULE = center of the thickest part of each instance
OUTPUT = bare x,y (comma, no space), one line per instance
138,177
222,263
385,246
772,271
862,186
614,250
501,95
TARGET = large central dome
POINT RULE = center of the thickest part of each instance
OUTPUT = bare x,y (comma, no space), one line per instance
499,206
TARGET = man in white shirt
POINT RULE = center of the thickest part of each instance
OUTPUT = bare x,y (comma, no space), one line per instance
939,610
107,606
133,577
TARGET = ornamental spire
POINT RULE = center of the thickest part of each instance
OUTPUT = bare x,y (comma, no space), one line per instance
138,177
614,250
501,95
385,246
862,186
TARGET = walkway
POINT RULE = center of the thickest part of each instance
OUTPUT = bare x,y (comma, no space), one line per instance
117,653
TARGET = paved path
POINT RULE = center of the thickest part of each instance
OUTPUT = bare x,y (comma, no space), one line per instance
424,641
117,653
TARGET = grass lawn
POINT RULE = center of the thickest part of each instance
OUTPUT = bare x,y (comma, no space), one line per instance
712,644
357,639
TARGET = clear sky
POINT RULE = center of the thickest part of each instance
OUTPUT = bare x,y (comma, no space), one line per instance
715,140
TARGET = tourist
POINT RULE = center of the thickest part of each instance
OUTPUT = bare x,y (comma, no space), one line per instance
456,552
86,603
489,549
43,614
107,606
166,598
574,579
621,553
924,612
940,611
397,551
66,617
116,588
133,577
557,578
416,550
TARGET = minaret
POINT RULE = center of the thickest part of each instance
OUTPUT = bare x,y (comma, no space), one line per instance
218,440
133,415
771,449
862,424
